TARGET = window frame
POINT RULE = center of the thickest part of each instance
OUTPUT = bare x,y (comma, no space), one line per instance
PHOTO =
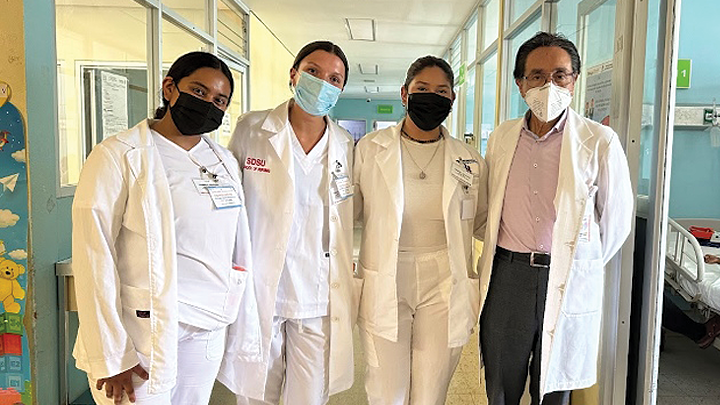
157,14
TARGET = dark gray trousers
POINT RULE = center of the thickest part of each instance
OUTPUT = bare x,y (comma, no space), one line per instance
510,333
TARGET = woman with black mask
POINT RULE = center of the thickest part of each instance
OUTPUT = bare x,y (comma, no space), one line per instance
422,196
161,248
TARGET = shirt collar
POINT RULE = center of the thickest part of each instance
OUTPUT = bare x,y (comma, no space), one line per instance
559,126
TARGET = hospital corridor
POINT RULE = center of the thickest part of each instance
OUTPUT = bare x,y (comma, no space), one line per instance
359,202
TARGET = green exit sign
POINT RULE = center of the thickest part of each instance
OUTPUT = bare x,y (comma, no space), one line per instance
684,67
384,109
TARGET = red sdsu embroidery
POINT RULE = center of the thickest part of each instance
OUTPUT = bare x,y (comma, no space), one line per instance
255,165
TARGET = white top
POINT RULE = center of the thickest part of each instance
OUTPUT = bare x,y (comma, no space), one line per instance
205,235
423,224
303,291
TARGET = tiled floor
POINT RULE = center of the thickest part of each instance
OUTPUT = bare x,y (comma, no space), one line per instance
688,375
464,387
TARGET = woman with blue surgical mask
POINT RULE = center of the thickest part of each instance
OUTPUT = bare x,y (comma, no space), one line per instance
297,168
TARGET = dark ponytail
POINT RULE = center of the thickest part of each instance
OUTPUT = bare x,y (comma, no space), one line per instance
185,66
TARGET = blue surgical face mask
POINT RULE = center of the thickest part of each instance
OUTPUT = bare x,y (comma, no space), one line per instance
315,96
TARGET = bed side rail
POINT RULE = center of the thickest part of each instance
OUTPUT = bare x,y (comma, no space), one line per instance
684,254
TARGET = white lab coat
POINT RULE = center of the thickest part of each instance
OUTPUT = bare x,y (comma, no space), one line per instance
124,260
594,205
379,200
262,143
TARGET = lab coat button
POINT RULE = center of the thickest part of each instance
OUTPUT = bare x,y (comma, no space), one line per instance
335,285
333,218
333,252
335,319
454,281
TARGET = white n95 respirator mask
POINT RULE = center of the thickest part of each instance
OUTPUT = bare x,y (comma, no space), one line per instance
548,102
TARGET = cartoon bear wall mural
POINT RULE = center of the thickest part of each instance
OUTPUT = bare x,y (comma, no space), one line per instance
15,370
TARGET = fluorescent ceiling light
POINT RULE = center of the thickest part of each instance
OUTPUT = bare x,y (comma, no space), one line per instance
368,68
372,89
361,29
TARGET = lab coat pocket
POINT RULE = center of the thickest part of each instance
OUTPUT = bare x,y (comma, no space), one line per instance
467,207
367,296
584,290
345,213
357,290
237,284
136,316
368,342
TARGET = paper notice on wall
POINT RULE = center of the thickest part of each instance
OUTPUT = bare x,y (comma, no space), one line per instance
114,93
226,126
598,92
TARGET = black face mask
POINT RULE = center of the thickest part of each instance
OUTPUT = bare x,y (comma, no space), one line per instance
428,110
193,116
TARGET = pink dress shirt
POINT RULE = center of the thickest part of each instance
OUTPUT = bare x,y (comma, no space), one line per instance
528,212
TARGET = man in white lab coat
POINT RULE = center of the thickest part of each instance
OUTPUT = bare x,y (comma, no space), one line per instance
560,207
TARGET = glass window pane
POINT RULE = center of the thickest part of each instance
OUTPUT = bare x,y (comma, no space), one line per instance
232,28
102,76
595,90
487,109
235,109
600,34
455,62
491,19
517,105
518,7
471,41
177,42
567,18
455,56
470,101
191,10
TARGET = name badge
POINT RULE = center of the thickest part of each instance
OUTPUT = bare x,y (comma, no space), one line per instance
202,185
224,197
467,209
342,188
462,173
585,230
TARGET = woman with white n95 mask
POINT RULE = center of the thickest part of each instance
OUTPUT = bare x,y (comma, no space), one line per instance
422,196
297,166
161,249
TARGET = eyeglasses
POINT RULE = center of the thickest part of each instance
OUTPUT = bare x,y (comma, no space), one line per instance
560,78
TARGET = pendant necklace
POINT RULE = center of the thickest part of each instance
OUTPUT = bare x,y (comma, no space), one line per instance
422,175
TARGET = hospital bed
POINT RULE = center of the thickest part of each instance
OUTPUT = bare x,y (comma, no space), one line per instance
686,271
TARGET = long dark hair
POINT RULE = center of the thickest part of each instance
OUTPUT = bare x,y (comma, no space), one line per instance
426,62
326,46
187,64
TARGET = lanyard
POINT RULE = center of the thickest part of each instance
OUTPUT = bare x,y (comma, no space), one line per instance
205,170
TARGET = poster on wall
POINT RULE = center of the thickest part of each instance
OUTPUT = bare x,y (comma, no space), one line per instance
114,103
598,91
15,385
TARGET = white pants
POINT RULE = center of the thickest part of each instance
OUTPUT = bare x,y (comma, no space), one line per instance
298,366
418,367
200,352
